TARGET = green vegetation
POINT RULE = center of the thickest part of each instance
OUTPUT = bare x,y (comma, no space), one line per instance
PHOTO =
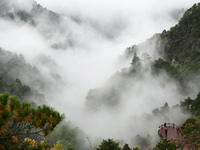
180,48
191,129
109,144
192,106
24,92
161,65
126,147
183,39
19,119
143,142
13,69
30,16
183,43
166,144
180,51
70,137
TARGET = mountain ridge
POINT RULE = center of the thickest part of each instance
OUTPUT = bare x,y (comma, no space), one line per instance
182,66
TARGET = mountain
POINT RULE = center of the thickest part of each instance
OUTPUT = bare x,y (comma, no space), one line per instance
164,68
18,77
174,54
52,26
15,75
11,10
183,39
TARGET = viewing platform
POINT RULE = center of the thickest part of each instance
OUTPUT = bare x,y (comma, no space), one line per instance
172,133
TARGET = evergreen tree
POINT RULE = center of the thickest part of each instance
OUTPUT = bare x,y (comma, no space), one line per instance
19,119
166,144
109,144
126,147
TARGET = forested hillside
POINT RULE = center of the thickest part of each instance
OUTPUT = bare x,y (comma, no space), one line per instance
176,57
25,118
48,23
176,52
15,75
14,69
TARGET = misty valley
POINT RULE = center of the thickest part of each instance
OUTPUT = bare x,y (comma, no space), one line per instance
72,78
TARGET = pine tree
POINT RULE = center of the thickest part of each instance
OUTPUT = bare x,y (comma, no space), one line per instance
20,119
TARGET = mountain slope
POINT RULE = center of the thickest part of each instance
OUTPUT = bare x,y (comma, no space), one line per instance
20,78
176,55
183,39
52,26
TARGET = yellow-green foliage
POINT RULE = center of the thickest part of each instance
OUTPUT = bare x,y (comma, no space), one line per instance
19,118
191,129
32,144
